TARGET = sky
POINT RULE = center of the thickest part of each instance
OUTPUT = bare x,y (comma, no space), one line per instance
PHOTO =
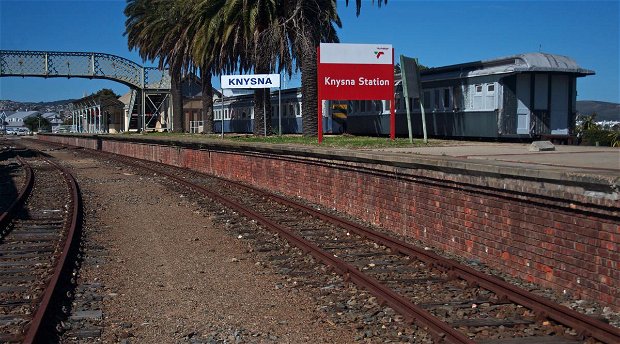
438,33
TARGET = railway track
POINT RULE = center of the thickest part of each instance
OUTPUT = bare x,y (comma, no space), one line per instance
453,302
38,231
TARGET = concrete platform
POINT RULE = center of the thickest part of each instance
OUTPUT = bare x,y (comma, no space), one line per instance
603,161
591,168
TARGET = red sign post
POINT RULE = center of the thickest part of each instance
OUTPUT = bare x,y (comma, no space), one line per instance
355,72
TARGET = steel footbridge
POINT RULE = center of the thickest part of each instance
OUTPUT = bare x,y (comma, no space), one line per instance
150,87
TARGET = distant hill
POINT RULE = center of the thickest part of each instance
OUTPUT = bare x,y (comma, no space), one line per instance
57,106
604,111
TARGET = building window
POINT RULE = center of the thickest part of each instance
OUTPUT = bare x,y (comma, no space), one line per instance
447,104
458,100
427,99
478,99
489,98
378,106
416,104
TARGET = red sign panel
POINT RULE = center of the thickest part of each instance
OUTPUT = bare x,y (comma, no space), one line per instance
356,81
355,72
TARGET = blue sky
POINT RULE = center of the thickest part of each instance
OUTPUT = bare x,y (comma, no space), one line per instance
437,32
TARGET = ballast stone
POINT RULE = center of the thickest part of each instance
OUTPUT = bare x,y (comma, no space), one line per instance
541,146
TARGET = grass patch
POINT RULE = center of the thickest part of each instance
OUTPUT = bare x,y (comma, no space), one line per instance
332,141
329,141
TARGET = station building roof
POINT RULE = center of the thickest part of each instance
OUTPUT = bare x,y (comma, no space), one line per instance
521,63
21,115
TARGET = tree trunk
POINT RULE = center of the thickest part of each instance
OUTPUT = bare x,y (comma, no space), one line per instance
207,102
257,128
177,100
262,100
309,90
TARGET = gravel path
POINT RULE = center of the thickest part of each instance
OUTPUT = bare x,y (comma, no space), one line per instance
172,275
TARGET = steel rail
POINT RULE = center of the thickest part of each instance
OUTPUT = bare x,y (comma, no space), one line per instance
412,313
584,325
34,329
9,214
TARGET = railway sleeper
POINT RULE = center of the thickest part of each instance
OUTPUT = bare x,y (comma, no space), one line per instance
362,254
84,333
458,303
52,225
22,255
34,236
532,340
7,272
37,263
14,303
491,322
19,279
22,244
25,249
11,338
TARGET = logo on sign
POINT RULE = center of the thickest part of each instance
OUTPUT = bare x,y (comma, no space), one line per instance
378,54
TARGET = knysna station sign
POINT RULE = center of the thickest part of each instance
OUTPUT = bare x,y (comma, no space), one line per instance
251,81
355,72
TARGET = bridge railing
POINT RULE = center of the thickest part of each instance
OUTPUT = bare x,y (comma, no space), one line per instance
82,65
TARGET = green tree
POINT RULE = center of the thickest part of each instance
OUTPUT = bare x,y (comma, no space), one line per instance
358,5
309,24
234,35
256,37
312,22
37,122
155,28
588,122
204,33
105,93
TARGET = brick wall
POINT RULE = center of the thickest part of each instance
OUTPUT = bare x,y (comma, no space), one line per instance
550,234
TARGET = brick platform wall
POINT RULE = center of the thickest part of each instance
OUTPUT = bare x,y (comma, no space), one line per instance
543,233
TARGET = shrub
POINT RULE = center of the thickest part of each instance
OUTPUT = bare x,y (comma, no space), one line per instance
594,135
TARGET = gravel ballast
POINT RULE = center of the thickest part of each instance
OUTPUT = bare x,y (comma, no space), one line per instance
173,276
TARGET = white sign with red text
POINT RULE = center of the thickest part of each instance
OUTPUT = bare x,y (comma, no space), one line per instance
356,71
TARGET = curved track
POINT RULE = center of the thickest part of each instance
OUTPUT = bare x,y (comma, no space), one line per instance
455,303
38,232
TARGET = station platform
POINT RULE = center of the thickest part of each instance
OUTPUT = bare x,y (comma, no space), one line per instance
595,168
574,160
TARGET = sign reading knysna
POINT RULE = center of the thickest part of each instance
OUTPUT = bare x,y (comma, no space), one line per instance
251,81
356,71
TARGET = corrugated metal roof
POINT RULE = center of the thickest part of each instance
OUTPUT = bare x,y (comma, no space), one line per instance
23,114
50,115
529,62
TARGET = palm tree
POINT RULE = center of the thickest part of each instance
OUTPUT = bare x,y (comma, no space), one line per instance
154,28
358,5
255,42
310,23
204,33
